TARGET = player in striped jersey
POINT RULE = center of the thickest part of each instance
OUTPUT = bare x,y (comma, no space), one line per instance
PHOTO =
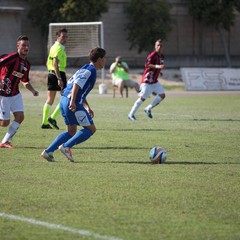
14,68
149,84
75,108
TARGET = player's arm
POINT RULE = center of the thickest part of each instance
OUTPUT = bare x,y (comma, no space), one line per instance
112,68
155,66
124,66
150,63
87,107
56,70
72,104
29,87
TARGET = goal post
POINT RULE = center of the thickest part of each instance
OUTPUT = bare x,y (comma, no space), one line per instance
82,36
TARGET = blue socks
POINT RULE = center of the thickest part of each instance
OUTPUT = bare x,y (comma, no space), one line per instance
79,137
59,140
68,140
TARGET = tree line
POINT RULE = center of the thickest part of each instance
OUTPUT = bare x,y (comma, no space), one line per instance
152,15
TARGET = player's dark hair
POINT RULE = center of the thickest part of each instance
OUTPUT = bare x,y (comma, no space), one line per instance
58,33
22,37
96,53
159,40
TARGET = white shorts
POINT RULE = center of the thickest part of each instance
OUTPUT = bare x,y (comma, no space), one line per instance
10,105
147,89
116,81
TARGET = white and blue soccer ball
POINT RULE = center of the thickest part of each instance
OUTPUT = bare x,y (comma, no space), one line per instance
158,155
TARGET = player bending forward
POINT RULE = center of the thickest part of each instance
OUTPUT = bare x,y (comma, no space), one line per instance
75,108
149,84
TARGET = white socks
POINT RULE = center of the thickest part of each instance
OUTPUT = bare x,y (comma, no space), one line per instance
11,131
135,107
154,103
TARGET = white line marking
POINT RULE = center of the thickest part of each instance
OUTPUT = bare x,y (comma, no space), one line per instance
59,226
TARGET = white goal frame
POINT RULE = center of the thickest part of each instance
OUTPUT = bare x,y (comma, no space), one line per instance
82,36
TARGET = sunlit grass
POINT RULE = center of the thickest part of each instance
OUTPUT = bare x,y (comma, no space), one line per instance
113,189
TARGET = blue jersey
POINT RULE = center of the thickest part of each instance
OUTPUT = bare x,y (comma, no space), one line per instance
85,78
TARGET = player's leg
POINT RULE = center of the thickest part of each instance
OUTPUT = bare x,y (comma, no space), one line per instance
80,117
47,109
120,86
62,137
13,127
4,115
132,84
136,86
58,141
4,111
4,123
83,119
53,87
81,136
53,118
15,105
144,93
158,89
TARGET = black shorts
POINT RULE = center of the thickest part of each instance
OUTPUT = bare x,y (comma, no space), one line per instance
52,84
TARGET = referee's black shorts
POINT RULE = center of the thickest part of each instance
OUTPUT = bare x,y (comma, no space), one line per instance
52,84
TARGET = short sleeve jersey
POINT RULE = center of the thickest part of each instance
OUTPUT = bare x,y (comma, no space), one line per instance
85,78
13,69
151,75
57,51
119,72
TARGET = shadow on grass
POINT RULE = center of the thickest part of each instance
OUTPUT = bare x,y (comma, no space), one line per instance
166,163
176,163
216,120
193,163
92,148
142,163
118,162
116,148
133,130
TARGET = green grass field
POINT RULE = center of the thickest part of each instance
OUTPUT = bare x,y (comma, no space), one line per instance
112,192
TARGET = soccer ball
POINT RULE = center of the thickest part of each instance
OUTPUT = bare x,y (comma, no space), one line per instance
157,155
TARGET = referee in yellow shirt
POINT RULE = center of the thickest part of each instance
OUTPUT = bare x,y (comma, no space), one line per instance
56,65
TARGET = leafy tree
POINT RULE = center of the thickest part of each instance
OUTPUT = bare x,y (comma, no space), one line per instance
43,12
148,20
216,13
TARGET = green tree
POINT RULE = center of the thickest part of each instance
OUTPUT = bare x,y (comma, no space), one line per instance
44,12
147,21
218,14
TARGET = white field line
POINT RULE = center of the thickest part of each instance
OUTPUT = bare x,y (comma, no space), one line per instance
58,226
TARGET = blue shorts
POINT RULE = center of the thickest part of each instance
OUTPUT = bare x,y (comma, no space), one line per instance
80,117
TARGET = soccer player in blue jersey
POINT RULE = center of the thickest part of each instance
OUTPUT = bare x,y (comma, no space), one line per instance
75,108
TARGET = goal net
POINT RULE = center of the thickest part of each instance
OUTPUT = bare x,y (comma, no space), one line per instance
82,36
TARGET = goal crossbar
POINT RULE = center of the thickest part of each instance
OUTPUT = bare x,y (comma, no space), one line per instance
82,36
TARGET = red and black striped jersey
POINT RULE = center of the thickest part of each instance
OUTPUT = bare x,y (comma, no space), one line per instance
13,69
151,75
